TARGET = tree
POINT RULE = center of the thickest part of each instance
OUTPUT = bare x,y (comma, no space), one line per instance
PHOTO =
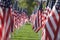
28,4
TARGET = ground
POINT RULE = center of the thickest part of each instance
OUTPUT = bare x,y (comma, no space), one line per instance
25,33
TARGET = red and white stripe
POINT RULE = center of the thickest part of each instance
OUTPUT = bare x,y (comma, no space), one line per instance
42,19
1,20
5,21
45,15
52,25
43,34
19,19
34,16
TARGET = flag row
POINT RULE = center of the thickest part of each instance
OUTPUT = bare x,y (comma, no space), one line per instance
48,20
10,18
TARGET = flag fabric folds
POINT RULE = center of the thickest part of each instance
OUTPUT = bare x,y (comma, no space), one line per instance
5,20
5,23
49,20
52,25
19,19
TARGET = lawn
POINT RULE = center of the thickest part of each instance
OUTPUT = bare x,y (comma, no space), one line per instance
25,33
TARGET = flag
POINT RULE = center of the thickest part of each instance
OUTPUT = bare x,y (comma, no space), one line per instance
5,20
34,19
31,18
1,20
39,18
52,25
15,19
5,23
36,23
46,14
19,19
50,30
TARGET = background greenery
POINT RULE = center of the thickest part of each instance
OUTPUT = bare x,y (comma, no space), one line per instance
28,4
25,33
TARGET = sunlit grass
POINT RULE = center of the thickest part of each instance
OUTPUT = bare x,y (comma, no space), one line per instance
25,33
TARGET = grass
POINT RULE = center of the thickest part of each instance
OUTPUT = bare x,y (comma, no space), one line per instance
25,33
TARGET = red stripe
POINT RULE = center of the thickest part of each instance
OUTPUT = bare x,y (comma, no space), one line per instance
4,12
47,34
2,21
2,18
57,26
2,25
8,14
8,30
50,23
7,34
6,17
56,34
54,17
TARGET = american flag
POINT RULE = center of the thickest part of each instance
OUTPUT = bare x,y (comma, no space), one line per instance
1,26
5,23
19,19
5,20
31,18
34,19
38,19
16,18
52,27
45,15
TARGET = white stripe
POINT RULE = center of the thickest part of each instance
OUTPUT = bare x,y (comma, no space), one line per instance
49,30
1,12
8,23
0,0
5,28
55,12
5,16
53,22
3,31
44,35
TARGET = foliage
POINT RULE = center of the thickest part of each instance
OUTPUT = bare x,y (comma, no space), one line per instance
28,4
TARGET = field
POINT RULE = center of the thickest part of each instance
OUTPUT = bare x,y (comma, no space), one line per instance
25,33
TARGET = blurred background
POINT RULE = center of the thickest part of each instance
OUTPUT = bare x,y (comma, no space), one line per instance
29,5
26,32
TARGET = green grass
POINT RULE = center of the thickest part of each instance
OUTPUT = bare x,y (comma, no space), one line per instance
25,33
